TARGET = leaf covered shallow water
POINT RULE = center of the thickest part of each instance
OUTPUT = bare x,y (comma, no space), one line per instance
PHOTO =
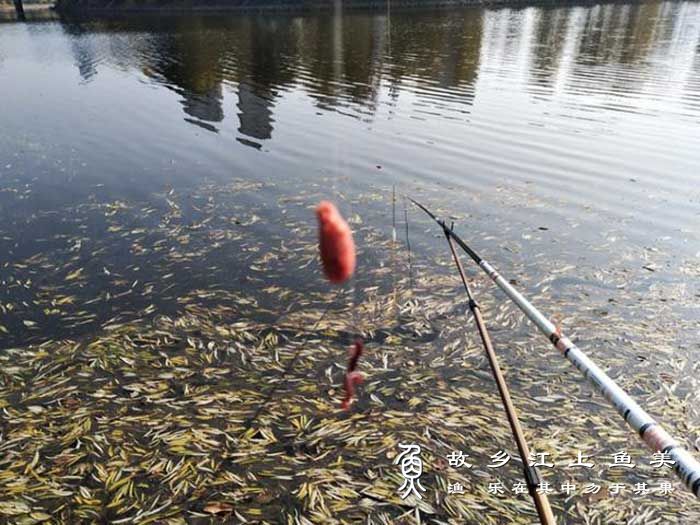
141,417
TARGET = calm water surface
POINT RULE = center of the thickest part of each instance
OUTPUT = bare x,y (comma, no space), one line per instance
168,166
552,129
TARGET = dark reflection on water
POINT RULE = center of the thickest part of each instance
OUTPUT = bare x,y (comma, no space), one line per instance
358,63
587,116
339,61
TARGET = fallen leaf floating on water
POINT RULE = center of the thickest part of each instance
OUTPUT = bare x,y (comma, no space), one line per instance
336,243
155,434
74,275
216,507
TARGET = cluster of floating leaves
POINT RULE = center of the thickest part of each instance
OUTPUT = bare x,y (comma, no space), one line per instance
138,413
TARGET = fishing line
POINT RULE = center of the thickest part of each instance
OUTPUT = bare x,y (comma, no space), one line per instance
291,363
394,257
339,155
408,245
393,213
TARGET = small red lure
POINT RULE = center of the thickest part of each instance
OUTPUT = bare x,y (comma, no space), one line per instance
352,376
336,243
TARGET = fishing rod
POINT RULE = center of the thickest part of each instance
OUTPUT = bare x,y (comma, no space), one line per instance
656,438
532,478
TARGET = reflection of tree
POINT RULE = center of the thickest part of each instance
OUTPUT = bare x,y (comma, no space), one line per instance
265,49
339,58
255,114
188,60
579,39
434,47
690,95
550,39
423,46
82,50
318,55
345,59
361,59
620,33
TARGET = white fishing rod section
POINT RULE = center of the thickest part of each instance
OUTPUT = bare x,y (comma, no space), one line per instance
652,433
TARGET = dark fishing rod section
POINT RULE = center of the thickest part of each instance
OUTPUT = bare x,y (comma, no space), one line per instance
532,476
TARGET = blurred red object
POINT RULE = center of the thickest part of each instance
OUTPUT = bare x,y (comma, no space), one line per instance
352,377
336,243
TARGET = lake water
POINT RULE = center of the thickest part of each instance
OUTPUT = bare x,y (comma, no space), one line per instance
564,142
573,115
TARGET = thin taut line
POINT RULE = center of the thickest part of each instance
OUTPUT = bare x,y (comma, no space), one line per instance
393,213
408,245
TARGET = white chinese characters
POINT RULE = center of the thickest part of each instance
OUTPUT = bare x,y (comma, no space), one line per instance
411,469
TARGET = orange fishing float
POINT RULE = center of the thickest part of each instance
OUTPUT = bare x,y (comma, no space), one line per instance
336,243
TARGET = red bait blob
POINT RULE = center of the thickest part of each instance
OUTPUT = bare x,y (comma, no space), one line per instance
352,376
336,243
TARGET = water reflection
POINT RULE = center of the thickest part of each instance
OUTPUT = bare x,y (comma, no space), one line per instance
543,114
343,61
